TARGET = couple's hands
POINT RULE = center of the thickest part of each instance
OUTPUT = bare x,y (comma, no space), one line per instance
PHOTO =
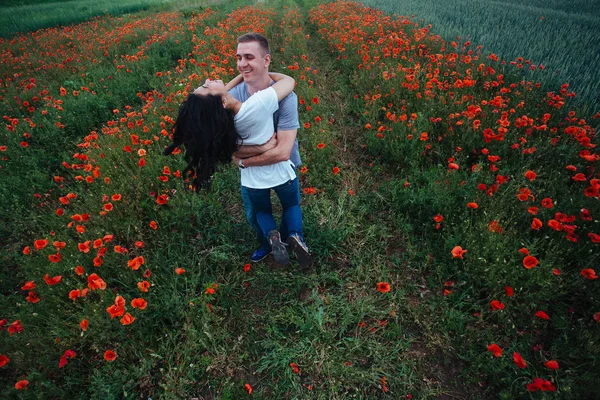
247,152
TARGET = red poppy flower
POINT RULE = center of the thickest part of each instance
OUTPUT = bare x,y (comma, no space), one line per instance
383,287
518,360
65,357
162,199
497,305
438,218
22,384
536,224
336,170
248,388
139,303
509,291
28,286
40,244
530,262
153,225
530,175
551,364
495,350
95,282
246,267
115,311
74,294
136,263
458,252
589,273
547,203
585,214
52,281
79,270
84,325
540,384
110,355
179,271
3,360
542,315
295,368
533,210
127,319
143,286
473,205
554,224
321,146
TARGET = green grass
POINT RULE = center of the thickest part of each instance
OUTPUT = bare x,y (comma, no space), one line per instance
562,36
371,222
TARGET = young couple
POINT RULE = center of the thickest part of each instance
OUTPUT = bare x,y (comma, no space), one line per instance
217,123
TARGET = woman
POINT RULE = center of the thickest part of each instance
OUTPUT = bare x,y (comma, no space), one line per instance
213,124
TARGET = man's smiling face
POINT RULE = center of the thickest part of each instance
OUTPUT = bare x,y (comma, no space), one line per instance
253,62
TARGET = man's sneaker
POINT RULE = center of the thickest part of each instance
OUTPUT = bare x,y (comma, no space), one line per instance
279,250
303,256
260,254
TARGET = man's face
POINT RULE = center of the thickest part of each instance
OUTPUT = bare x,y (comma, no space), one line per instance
252,62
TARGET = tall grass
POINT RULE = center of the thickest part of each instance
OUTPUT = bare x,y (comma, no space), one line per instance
562,36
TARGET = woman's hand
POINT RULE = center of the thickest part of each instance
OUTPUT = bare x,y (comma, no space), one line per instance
271,143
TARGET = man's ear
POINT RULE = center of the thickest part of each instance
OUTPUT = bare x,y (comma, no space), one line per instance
267,60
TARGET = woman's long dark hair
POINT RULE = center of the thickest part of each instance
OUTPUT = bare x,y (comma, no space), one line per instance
207,130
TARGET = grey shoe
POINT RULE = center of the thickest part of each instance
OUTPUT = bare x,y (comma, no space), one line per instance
280,253
303,256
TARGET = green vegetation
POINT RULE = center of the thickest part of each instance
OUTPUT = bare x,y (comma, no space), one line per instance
562,36
411,146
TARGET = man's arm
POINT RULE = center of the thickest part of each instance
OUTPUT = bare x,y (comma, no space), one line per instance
250,150
281,152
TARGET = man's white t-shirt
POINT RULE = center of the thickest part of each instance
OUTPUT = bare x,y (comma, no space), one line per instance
254,122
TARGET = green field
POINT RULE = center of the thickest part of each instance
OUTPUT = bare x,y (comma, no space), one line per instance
450,200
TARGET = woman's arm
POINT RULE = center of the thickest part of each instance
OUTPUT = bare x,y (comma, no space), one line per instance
234,82
283,86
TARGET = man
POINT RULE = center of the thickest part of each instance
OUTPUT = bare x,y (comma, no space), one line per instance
253,59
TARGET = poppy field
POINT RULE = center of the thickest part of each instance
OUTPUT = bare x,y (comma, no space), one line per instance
450,203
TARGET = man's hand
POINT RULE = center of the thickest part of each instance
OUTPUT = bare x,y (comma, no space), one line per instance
282,152
253,150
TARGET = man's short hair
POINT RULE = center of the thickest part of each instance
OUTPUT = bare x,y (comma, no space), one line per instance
255,37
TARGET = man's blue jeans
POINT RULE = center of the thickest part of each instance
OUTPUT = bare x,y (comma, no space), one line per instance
259,212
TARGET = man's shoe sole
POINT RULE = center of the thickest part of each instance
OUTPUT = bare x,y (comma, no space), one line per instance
302,255
279,250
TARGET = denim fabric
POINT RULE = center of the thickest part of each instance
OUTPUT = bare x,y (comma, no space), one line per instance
259,201
251,217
